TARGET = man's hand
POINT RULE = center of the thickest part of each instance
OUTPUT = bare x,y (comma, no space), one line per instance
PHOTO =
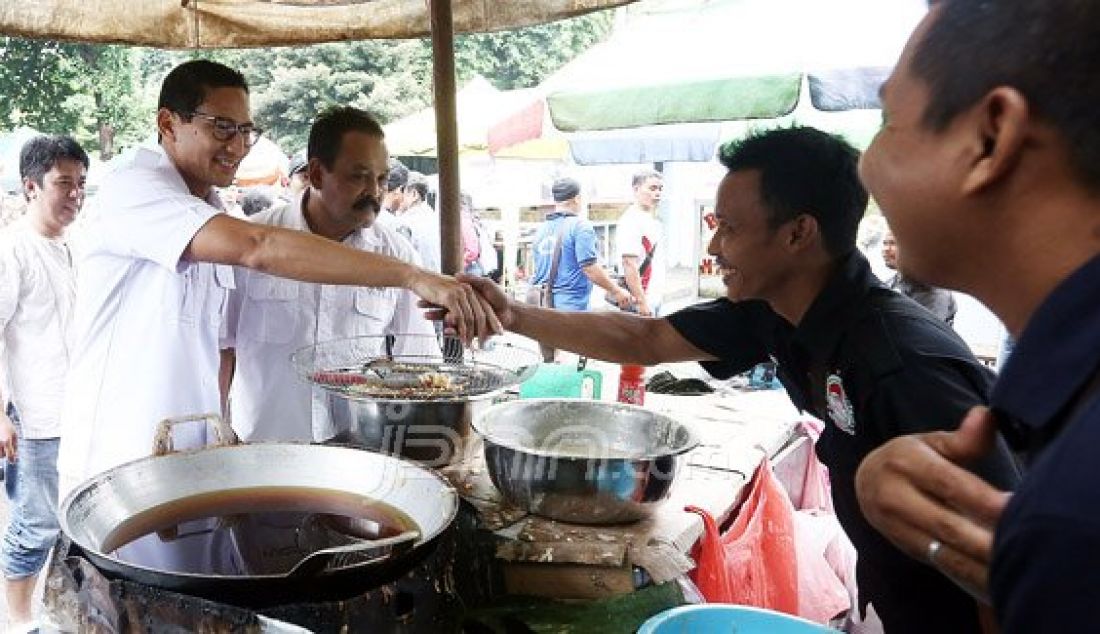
623,299
9,439
643,308
496,298
468,313
913,490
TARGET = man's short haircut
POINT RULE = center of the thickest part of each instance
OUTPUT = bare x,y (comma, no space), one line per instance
40,154
641,177
256,199
185,87
327,132
418,184
805,171
398,176
1049,50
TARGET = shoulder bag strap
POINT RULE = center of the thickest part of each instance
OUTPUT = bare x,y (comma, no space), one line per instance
553,275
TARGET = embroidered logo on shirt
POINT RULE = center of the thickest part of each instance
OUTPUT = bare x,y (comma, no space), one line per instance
840,408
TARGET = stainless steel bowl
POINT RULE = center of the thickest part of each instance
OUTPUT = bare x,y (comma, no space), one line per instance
582,461
430,426
433,433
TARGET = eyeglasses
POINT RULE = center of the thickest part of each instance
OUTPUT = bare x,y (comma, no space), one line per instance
227,129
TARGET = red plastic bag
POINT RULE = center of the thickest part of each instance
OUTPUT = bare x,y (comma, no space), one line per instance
755,562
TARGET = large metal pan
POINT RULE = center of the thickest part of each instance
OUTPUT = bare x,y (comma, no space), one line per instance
582,461
237,484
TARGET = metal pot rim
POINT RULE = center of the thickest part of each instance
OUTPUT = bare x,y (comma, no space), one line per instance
481,421
89,483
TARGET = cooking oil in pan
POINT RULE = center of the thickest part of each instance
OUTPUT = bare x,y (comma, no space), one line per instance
252,531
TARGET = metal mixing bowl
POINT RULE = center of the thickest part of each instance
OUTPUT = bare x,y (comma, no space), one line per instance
433,433
582,461
415,422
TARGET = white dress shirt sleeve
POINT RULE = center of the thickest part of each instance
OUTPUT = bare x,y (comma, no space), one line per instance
147,216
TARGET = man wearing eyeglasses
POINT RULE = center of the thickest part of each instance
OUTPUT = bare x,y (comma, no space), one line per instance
155,275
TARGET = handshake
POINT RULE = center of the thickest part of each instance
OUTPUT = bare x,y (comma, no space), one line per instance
473,307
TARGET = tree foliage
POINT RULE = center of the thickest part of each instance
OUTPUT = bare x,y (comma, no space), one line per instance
105,96
89,91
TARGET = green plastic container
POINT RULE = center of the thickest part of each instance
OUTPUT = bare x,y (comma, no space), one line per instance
552,380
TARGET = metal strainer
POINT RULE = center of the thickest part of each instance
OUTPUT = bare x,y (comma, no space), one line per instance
413,367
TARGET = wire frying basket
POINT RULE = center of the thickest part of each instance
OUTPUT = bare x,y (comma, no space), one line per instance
413,367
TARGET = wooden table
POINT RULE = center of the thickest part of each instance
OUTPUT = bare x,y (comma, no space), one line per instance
544,557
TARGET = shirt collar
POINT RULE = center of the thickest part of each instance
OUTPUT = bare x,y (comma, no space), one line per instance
1055,357
363,236
820,330
212,199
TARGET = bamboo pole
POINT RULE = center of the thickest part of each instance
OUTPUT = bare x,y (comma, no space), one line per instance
446,130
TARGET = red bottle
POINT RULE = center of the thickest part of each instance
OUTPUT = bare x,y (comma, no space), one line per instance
632,384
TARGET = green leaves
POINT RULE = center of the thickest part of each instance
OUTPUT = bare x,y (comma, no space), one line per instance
105,96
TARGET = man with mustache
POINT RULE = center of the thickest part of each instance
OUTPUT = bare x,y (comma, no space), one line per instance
155,267
271,317
867,361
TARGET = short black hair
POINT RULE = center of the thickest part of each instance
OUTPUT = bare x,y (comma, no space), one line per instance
641,177
398,176
41,153
327,132
186,85
256,199
1049,50
805,171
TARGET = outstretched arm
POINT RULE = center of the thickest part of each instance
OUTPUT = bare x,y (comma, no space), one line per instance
310,258
611,336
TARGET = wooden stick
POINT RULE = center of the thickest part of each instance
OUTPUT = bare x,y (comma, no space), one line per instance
446,131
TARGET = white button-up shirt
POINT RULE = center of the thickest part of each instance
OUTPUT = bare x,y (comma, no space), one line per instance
420,224
36,304
146,322
272,317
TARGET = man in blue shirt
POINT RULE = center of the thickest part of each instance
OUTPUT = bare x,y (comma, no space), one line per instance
988,169
578,268
565,257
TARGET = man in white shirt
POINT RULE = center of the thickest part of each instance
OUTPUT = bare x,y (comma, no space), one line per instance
271,317
154,258
638,236
37,287
420,223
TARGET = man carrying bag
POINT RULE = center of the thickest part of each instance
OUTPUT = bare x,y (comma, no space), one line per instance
566,265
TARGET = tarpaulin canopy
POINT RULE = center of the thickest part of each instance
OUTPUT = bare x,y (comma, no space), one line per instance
478,103
201,24
725,60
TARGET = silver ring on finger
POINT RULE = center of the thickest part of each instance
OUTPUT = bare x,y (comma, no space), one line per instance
934,548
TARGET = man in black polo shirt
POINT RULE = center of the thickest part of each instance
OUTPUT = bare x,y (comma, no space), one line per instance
870,363
988,168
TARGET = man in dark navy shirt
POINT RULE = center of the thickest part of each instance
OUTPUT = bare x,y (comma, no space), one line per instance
988,168
871,363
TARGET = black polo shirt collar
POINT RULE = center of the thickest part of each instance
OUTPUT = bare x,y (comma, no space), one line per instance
818,334
1055,357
